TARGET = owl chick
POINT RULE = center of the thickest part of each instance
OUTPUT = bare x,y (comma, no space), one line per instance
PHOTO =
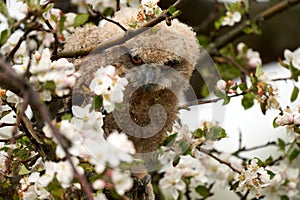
157,64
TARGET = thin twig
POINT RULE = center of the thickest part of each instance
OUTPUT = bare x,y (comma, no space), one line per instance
4,124
109,20
56,42
200,102
207,152
127,36
15,138
235,63
239,29
12,80
244,149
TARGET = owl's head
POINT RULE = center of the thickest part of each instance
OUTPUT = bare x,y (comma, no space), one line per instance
161,57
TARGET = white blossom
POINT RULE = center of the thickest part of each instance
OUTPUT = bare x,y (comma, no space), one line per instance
122,181
253,58
98,184
171,183
108,84
100,196
285,119
231,18
292,57
120,148
221,85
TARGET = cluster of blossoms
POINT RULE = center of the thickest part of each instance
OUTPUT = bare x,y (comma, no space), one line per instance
290,119
48,76
36,38
109,85
101,5
228,87
272,182
231,18
234,13
194,172
85,134
252,57
267,91
148,9
253,178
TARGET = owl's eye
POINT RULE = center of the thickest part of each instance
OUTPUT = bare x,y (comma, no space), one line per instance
171,63
136,60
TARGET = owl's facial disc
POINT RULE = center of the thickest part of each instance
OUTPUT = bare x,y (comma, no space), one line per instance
156,77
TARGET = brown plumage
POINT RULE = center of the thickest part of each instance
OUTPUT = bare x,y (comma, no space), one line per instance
157,63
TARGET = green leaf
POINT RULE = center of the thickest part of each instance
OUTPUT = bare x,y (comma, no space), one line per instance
297,129
258,71
170,140
294,71
248,100
118,106
235,186
108,11
218,23
5,112
275,125
67,116
260,163
204,91
80,19
243,86
176,13
294,155
198,133
268,160
248,30
222,95
4,36
184,146
203,40
284,197
226,100
172,9
62,23
133,24
203,191
271,174
49,85
97,102
294,94
3,9
216,133
263,107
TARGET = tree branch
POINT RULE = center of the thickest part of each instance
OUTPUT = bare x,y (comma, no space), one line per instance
107,19
218,159
239,29
200,102
12,81
128,35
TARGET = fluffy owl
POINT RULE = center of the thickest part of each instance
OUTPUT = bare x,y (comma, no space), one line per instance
157,64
